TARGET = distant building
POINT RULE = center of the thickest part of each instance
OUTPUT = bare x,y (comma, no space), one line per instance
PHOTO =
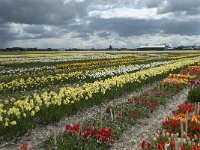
110,47
154,47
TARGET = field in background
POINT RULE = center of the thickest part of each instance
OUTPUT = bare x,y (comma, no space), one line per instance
39,88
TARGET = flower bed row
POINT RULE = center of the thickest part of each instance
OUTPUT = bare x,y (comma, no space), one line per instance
18,117
51,69
55,58
116,120
127,69
73,77
126,60
181,130
26,66
44,69
33,72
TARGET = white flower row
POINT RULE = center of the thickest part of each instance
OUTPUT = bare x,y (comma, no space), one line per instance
128,69
19,70
61,58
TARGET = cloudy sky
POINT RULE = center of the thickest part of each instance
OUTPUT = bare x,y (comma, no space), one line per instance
98,23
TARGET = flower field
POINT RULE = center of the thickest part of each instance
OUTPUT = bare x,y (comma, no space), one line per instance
41,89
181,130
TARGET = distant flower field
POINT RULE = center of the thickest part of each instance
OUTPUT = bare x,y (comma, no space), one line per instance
41,89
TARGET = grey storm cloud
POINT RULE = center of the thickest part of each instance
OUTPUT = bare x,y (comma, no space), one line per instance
189,7
6,34
83,36
152,3
134,27
35,29
41,11
36,14
44,19
104,34
30,32
42,31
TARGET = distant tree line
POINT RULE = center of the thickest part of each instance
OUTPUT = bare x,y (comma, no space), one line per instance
27,49
110,48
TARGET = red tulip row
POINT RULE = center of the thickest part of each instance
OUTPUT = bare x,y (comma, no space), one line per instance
181,130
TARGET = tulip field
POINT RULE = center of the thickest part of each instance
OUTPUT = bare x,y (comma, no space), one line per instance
100,100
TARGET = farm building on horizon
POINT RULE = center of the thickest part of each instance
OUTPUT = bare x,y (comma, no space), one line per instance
154,47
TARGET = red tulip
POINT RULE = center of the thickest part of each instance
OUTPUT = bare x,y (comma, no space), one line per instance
109,106
86,135
129,99
151,110
142,144
24,146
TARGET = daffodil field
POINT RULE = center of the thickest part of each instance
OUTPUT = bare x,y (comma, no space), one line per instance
44,88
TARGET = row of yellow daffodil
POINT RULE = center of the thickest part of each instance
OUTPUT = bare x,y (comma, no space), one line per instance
39,72
33,74
30,83
35,82
178,56
124,60
59,54
101,62
48,104
56,57
92,64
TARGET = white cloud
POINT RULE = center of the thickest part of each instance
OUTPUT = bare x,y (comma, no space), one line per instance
126,12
